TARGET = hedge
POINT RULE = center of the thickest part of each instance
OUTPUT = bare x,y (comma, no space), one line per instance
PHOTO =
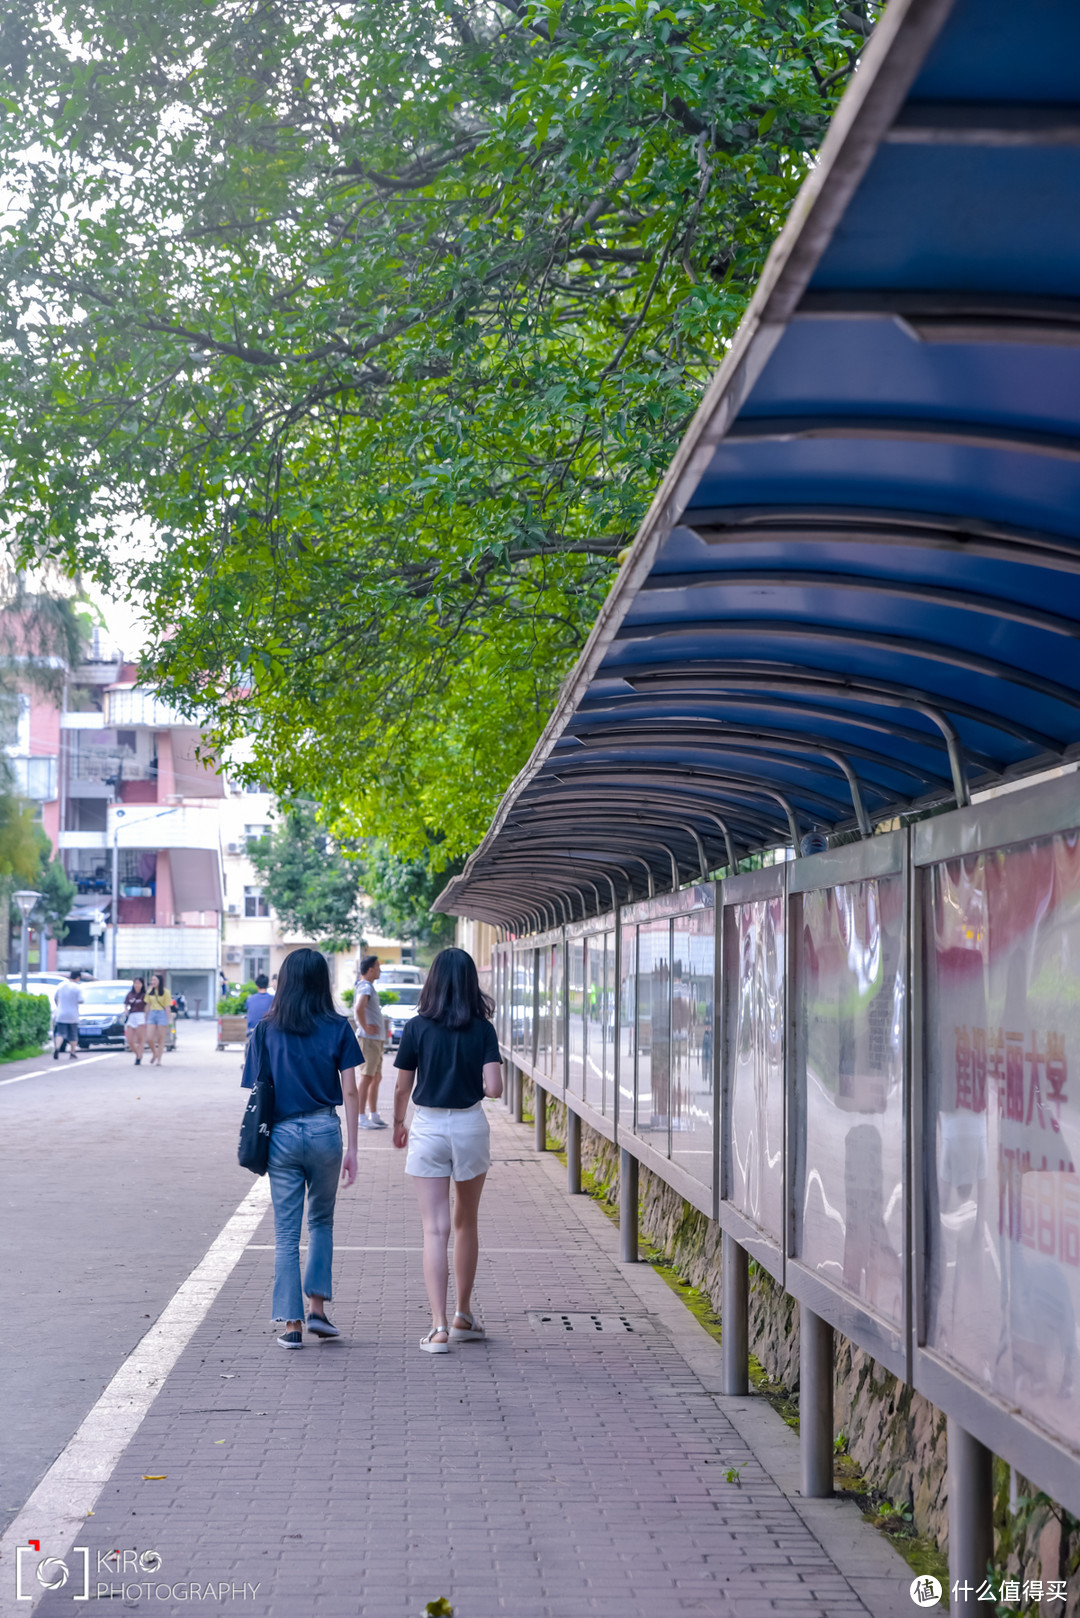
24,1020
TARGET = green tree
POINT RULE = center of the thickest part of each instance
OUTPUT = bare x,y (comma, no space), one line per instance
398,894
56,888
389,318
309,883
41,629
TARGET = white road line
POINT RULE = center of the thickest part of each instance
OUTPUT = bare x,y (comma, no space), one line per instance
56,1512
39,1073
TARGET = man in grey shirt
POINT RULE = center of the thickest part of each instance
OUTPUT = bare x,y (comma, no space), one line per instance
371,1027
66,1028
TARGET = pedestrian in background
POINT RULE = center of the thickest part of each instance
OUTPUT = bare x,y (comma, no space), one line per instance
371,1025
451,1051
135,1022
259,1003
69,998
313,1057
158,1001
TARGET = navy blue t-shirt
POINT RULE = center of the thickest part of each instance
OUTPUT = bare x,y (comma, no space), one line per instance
307,1068
449,1062
258,1004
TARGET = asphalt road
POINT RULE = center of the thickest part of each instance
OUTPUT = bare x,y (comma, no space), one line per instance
114,1180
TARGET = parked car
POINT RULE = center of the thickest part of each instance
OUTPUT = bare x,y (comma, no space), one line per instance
397,1014
392,977
101,1015
40,983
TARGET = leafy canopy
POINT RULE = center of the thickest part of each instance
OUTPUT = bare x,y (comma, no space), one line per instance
399,893
388,318
308,881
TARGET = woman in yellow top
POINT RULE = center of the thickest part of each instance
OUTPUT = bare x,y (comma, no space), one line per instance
158,1001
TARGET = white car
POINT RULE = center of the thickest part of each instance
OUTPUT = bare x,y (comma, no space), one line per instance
397,1014
393,977
40,983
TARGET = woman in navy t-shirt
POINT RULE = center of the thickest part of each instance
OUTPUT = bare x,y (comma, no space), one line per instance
451,1050
313,1058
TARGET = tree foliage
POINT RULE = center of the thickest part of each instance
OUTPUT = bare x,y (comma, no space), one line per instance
307,880
57,890
399,892
389,318
41,628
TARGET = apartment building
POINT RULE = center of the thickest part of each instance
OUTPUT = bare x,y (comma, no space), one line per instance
156,843
137,826
253,939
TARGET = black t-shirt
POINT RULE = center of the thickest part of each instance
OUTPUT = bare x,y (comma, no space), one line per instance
448,1062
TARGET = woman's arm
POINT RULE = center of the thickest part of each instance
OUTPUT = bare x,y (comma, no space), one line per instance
402,1092
352,1120
493,1080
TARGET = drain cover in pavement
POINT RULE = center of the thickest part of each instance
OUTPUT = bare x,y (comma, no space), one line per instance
587,1325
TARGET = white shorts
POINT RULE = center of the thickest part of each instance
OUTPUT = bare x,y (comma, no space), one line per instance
136,1019
454,1141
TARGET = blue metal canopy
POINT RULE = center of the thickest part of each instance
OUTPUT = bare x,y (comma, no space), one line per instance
857,591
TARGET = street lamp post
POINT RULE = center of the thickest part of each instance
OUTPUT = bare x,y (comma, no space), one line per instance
26,899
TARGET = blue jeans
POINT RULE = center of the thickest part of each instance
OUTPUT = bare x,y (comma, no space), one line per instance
305,1155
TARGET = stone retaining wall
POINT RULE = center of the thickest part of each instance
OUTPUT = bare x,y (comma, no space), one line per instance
894,1435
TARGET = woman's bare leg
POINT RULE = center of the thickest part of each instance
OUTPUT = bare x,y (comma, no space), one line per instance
434,1199
466,1238
138,1041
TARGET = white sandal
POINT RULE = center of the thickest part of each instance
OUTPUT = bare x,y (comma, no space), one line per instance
430,1346
472,1333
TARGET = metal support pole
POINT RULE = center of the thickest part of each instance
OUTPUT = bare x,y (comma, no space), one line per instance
518,1095
815,1404
734,1318
573,1153
628,1207
539,1117
24,951
115,893
970,1482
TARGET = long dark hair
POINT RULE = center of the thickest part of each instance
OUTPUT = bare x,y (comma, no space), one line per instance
452,994
303,995
141,982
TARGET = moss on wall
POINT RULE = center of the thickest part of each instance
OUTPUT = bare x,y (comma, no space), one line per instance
892,1436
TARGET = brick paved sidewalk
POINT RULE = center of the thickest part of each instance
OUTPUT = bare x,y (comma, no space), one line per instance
542,1474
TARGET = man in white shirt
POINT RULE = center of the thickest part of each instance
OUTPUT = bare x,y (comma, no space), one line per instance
371,1027
69,998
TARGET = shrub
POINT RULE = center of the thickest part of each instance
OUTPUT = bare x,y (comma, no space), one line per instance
231,1005
24,1019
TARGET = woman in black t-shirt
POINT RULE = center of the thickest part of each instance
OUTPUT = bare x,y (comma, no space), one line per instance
451,1050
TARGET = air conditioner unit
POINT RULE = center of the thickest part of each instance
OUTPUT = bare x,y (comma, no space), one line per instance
233,955
234,910
233,848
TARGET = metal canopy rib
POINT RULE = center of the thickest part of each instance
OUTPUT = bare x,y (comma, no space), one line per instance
858,586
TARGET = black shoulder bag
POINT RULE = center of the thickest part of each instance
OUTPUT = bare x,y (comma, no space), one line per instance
253,1149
